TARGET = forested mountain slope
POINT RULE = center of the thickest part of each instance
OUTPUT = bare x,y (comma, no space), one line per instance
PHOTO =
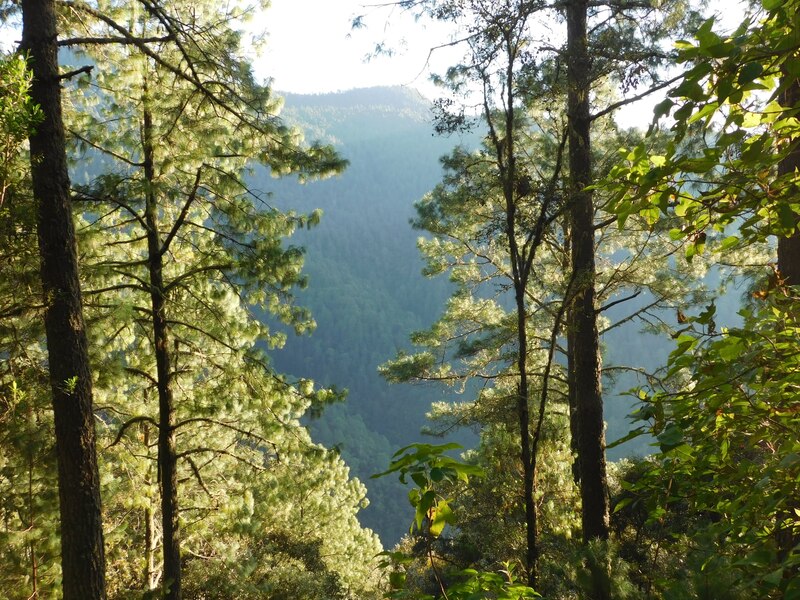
366,290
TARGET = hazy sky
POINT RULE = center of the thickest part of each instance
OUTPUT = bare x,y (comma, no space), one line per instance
311,46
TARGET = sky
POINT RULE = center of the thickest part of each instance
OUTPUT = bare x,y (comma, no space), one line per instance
311,47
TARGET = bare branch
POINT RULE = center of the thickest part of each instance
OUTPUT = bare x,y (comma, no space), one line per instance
70,74
127,425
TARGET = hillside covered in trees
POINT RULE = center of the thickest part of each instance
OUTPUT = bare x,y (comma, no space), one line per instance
231,323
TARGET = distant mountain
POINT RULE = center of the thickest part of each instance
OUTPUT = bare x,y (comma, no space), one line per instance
367,99
367,293
366,290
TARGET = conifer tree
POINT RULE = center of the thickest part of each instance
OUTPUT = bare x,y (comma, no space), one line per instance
82,552
506,79
584,345
178,181
175,242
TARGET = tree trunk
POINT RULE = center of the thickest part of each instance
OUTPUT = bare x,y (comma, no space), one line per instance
167,456
82,552
150,545
528,461
585,351
789,247
572,396
508,168
789,270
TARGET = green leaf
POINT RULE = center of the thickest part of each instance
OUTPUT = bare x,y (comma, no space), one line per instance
731,349
623,503
662,108
750,72
690,89
671,437
442,515
704,112
729,242
626,438
789,461
397,579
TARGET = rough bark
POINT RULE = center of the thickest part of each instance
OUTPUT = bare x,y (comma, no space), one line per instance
167,455
789,247
151,575
82,552
789,270
585,352
572,397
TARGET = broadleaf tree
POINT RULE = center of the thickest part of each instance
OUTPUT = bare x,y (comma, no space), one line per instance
726,423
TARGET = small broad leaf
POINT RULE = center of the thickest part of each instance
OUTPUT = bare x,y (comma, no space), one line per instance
750,72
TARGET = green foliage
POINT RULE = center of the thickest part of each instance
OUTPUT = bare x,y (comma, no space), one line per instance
29,505
485,586
731,94
18,115
719,491
728,444
431,470
602,574
428,467
28,497
249,471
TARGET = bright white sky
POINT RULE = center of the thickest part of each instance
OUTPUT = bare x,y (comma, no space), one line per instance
312,48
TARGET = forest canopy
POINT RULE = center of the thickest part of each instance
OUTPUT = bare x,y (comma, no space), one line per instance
163,434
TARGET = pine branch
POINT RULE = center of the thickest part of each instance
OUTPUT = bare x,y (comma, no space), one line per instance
612,107
70,74
127,425
184,211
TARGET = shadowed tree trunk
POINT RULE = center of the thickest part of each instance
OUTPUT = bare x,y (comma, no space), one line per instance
789,270
167,457
82,553
584,343
789,247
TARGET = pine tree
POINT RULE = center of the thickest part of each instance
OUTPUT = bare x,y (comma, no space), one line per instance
584,345
502,71
182,245
82,552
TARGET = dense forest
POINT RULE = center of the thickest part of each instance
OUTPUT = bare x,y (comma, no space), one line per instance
363,345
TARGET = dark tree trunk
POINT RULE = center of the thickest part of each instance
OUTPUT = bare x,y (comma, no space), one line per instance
519,268
572,398
789,247
528,461
584,351
167,456
150,544
520,279
82,553
789,270
789,259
